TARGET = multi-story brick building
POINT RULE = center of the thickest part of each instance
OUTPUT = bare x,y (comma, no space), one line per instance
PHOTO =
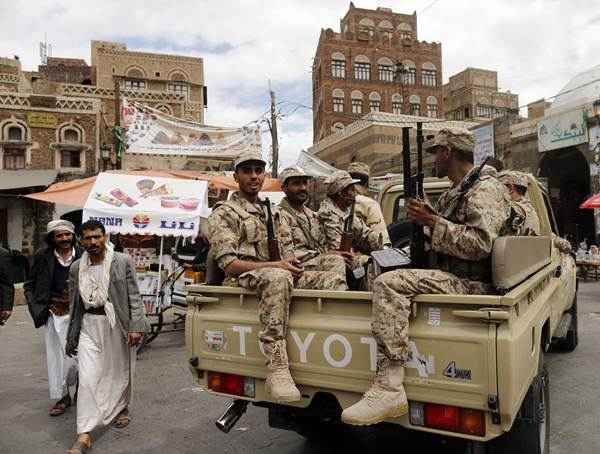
57,123
355,70
473,95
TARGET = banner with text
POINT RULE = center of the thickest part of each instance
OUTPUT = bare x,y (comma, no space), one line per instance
562,130
484,143
151,131
134,204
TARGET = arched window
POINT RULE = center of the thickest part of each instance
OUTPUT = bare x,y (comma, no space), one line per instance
386,69
338,100
429,75
374,101
410,72
397,103
71,135
362,68
386,29
135,79
366,25
15,134
338,65
432,107
179,84
357,99
405,30
415,105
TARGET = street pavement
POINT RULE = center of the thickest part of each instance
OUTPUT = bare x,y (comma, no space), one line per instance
171,415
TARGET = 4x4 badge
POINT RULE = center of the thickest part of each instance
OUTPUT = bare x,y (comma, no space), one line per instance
451,371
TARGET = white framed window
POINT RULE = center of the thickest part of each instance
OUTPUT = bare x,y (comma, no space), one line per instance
410,76
134,84
386,73
338,65
374,105
397,107
15,134
357,106
432,110
484,111
179,88
71,135
362,71
429,77
338,104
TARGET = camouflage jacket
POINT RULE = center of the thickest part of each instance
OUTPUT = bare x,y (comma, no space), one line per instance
369,211
462,239
332,220
523,220
238,230
305,229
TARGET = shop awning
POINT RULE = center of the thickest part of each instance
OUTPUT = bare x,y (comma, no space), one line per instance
592,202
75,193
18,179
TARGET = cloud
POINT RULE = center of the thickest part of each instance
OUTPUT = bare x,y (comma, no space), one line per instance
536,46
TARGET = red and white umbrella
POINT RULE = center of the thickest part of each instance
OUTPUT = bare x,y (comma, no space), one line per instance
592,202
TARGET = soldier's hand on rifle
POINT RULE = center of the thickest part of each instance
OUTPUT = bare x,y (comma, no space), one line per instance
292,265
419,212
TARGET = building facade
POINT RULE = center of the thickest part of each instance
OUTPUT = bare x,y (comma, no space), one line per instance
376,63
473,95
376,139
57,123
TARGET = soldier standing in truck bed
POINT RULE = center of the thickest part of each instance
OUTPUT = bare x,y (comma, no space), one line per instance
238,237
467,220
526,221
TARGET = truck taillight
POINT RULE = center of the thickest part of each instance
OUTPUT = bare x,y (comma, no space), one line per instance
236,385
448,417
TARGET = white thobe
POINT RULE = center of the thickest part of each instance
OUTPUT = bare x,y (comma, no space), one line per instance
106,365
62,370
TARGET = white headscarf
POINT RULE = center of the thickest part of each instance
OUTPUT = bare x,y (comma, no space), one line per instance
59,224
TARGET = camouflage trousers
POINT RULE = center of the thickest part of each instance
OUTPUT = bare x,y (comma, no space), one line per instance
392,295
332,263
273,288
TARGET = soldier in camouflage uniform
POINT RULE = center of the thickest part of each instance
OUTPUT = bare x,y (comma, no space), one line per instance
334,211
238,236
367,209
307,235
463,227
525,221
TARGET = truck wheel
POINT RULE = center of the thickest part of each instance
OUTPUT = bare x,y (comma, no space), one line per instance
570,341
530,432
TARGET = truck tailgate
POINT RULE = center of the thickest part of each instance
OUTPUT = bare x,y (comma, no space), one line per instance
330,345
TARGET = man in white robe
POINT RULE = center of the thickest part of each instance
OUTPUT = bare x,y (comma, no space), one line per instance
107,323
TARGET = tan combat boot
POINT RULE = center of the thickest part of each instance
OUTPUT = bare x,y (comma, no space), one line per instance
279,383
384,399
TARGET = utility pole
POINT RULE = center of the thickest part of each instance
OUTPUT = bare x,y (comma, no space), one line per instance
117,127
274,140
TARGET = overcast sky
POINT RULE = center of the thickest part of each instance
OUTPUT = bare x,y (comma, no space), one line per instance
536,46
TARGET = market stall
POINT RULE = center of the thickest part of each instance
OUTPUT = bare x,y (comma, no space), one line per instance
140,209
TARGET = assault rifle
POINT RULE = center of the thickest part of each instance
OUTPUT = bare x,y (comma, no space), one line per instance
272,242
347,235
413,189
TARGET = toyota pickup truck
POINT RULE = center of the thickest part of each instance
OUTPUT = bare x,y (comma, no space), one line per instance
477,370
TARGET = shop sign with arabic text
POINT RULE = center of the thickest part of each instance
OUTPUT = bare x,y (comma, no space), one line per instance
563,130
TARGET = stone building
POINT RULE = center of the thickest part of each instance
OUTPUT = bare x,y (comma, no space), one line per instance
376,139
354,71
473,95
57,123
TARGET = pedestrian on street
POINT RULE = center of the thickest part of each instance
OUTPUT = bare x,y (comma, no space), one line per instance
7,289
107,323
46,293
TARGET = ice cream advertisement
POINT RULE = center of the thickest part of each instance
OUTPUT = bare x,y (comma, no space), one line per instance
146,205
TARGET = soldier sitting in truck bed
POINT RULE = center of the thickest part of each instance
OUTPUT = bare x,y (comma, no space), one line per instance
238,236
307,234
467,220
526,221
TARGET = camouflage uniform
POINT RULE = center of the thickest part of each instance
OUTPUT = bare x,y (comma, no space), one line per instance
461,243
524,220
238,231
367,209
307,237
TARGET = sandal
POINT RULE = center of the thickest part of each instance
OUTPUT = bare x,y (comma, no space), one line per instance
122,420
79,447
61,406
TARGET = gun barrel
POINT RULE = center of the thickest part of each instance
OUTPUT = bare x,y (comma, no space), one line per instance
406,167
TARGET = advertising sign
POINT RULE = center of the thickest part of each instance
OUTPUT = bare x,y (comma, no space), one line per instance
484,143
562,130
150,131
134,204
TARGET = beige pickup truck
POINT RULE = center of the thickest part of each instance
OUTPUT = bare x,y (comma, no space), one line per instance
477,371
